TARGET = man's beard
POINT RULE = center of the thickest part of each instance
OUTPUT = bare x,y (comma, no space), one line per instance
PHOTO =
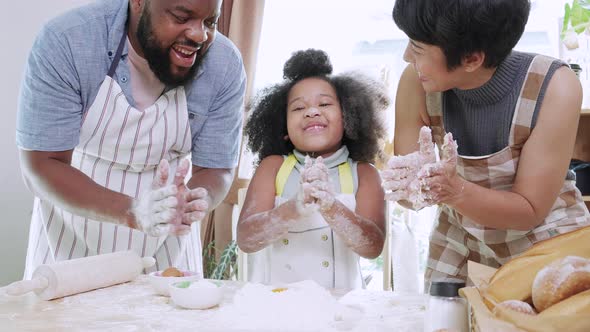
158,57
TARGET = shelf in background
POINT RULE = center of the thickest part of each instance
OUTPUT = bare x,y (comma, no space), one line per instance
585,111
586,198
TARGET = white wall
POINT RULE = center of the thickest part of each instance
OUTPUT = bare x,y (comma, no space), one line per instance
19,23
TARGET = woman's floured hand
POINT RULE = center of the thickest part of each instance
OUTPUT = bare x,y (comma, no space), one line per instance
439,182
401,173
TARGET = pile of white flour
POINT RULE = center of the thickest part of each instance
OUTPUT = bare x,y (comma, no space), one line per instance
302,306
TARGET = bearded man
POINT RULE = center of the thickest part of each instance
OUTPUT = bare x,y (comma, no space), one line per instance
119,99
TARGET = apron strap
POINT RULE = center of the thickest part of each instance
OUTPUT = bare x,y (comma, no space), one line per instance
435,114
283,174
117,57
344,173
520,129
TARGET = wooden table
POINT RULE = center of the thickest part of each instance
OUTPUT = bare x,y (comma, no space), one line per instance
134,306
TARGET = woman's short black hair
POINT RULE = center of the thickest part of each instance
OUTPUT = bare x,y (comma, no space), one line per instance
461,27
361,98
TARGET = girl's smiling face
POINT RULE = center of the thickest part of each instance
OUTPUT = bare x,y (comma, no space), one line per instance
314,117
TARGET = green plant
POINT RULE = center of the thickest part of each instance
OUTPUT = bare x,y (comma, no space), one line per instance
224,269
576,20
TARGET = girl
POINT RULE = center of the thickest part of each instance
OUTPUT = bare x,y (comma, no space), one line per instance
315,203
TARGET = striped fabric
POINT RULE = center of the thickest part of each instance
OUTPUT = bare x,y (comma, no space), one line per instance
120,148
457,239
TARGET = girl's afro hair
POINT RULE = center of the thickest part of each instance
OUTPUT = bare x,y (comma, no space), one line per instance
361,98
308,63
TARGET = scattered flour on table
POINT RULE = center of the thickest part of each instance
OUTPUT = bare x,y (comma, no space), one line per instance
302,306
306,306
387,311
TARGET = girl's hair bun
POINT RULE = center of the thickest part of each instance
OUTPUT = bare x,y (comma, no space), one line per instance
307,63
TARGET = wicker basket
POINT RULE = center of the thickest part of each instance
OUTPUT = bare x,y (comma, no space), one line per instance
483,320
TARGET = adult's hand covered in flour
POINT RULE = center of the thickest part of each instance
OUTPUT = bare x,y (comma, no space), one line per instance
315,184
155,210
400,179
193,204
439,181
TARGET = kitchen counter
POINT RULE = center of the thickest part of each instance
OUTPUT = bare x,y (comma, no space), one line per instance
134,306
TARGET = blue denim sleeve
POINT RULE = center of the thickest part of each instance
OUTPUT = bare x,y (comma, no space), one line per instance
218,144
49,106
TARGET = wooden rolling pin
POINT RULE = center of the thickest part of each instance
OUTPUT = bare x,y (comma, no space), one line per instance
80,275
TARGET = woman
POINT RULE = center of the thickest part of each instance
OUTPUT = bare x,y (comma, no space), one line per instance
505,184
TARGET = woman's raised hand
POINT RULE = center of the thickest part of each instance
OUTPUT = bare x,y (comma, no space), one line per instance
400,177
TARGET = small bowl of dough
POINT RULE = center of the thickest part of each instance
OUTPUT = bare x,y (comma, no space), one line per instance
161,280
202,294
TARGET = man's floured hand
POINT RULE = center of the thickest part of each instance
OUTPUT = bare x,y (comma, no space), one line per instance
197,205
193,204
155,210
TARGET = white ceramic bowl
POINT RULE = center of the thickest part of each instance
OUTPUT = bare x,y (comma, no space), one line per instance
202,294
161,284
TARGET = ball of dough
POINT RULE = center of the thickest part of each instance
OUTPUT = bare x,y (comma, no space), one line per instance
560,280
172,272
517,305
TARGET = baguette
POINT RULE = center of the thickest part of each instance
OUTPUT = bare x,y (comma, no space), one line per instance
514,280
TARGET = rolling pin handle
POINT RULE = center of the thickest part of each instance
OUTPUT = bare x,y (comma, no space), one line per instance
148,262
25,286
